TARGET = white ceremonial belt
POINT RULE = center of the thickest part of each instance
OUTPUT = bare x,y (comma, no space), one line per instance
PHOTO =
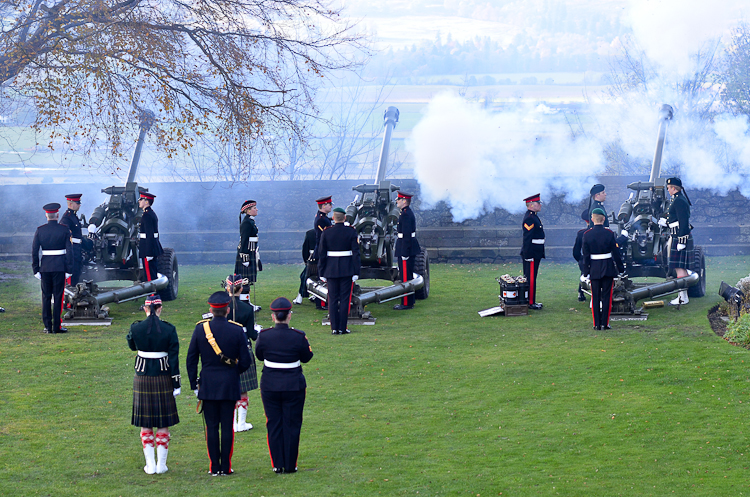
281,365
674,224
54,252
152,355
339,253
538,241
413,234
143,235
252,239
75,240
598,257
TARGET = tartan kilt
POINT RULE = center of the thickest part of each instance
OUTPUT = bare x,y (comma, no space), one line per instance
249,379
681,258
250,271
154,404
312,270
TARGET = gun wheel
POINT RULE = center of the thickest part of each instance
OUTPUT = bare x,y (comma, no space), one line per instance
167,265
422,268
698,266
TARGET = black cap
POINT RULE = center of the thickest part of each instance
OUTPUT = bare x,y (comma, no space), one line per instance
537,197
326,199
234,280
406,195
246,204
674,182
281,304
153,299
74,197
585,215
217,300
597,188
51,208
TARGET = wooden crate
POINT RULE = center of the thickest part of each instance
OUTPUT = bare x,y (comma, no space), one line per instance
517,310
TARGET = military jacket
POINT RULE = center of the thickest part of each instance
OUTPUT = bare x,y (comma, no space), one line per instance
308,246
282,345
601,254
155,335
533,237
53,241
243,314
578,248
149,244
218,381
70,219
248,236
678,216
595,204
406,243
338,252
322,221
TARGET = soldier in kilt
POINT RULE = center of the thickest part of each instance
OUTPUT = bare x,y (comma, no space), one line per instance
156,382
680,246
243,314
247,263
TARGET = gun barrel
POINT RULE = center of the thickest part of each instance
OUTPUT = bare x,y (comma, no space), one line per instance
147,119
133,292
665,288
665,114
390,118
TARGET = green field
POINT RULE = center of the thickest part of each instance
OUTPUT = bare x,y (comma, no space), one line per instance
435,401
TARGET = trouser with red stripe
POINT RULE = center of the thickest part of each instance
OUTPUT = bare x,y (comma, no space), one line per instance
149,269
601,300
339,299
530,271
53,285
284,425
219,415
406,271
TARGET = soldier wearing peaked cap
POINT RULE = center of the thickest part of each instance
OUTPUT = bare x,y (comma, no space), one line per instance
681,250
532,250
282,386
149,246
338,265
247,263
407,246
222,349
598,194
52,263
321,222
80,243
156,382
578,251
602,262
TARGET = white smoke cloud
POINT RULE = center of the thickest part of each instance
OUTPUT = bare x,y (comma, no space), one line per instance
476,161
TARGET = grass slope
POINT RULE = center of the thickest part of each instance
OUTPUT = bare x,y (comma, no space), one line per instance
436,401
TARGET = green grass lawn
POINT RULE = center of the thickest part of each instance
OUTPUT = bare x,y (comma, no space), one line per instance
435,401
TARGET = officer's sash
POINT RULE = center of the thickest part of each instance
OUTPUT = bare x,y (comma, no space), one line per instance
212,341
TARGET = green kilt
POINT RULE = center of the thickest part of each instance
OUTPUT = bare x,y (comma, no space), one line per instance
154,405
681,258
250,271
249,379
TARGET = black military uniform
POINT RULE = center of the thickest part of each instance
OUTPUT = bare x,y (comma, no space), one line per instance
532,250
243,314
339,263
70,219
247,263
407,248
321,222
53,241
282,388
602,262
308,249
149,246
680,229
222,349
595,204
578,252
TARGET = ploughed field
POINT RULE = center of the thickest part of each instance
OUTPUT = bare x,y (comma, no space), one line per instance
433,401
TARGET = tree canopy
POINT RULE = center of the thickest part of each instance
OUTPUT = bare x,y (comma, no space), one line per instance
225,70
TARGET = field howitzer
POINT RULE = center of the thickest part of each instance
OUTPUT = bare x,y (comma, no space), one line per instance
114,232
374,215
645,247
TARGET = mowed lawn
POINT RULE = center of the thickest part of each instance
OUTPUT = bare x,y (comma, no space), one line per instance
434,401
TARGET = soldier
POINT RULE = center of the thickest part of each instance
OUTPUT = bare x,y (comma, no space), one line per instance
243,314
596,201
602,262
532,250
70,219
282,386
55,266
322,221
338,264
680,239
407,246
308,249
222,349
149,246
578,252
247,263
156,382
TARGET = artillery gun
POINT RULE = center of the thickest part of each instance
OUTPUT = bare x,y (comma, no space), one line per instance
114,231
374,215
645,246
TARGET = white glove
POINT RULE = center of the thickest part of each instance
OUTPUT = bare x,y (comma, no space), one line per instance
176,392
663,222
583,278
68,275
624,233
355,277
257,255
38,276
195,392
324,279
91,229
680,246
404,258
149,258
